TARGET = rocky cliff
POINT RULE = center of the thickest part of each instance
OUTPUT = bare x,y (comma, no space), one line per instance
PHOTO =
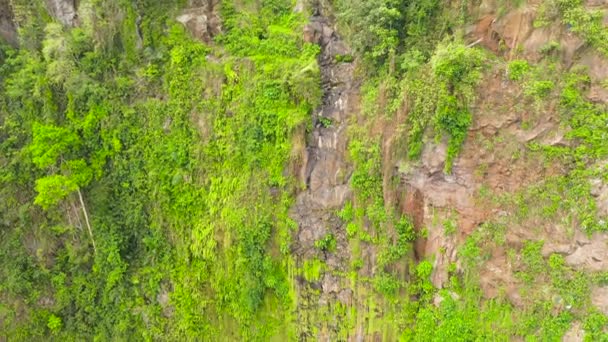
345,170
502,192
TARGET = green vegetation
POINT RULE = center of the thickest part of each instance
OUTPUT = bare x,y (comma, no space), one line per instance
313,269
559,293
435,84
517,69
406,54
146,177
588,24
173,155
325,122
327,243
457,69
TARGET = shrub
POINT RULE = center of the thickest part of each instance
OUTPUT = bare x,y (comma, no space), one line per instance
454,120
457,69
327,244
325,121
376,26
539,89
54,323
386,284
457,65
517,69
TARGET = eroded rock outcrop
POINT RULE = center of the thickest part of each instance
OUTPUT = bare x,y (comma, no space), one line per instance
493,158
517,30
202,19
326,170
63,10
496,159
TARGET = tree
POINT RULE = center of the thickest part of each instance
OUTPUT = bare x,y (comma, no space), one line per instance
52,189
49,146
378,25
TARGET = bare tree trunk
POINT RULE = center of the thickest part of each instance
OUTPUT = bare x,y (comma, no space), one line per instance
86,218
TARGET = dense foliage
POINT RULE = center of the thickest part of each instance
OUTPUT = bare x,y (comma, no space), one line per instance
136,174
146,177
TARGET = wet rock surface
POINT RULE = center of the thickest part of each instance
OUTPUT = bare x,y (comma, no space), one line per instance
326,171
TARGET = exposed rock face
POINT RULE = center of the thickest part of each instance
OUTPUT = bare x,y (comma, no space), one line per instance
516,29
588,253
428,189
514,34
486,160
63,10
326,169
599,298
494,157
8,31
202,19
597,64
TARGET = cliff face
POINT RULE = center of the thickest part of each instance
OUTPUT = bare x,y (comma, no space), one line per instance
504,193
312,170
65,11
326,171
496,156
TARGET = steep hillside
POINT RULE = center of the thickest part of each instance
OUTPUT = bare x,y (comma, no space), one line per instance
346,170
